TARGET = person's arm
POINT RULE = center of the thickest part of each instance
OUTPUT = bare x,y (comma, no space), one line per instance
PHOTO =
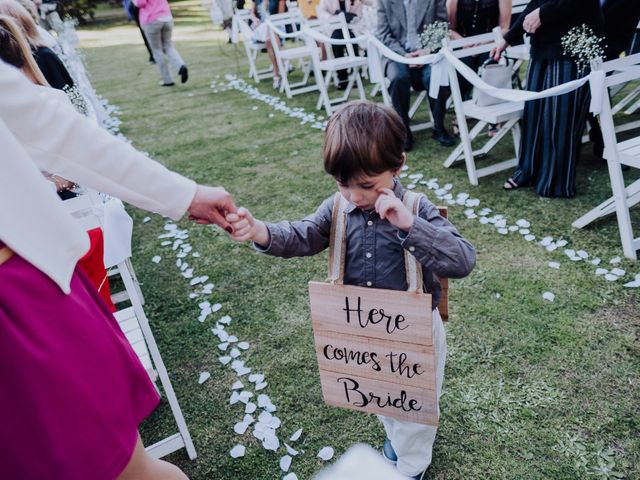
60,140
452,12
383,32
301,238
441,10
558,11
437,245
53,69
505,15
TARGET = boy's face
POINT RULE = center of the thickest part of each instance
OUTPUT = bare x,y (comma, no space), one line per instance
364,190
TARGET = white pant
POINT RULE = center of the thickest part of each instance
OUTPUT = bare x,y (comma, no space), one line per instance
413,442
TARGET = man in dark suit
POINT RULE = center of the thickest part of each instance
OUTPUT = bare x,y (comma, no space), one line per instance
621,19
400,23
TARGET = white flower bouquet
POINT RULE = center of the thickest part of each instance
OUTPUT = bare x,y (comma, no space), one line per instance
433,34
583,46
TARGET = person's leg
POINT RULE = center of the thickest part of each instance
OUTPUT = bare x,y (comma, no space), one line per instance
153,31
413,442
338,52
399,90
143,466
135,13
438,106
172,53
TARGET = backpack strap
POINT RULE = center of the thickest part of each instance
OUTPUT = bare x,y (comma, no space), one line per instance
337,242
412,267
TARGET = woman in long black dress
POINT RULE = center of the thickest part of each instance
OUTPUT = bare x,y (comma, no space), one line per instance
552,127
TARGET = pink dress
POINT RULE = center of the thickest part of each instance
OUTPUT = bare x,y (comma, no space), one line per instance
73,391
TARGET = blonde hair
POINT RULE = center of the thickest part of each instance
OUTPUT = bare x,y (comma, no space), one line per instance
13,9
15,50
30,7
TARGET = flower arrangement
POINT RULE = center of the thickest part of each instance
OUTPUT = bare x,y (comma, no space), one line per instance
433,34
583,46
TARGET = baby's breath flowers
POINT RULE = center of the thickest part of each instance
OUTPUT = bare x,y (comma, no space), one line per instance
583,46
77,100
433,34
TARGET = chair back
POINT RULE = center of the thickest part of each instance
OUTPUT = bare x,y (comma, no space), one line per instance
518,6
619,72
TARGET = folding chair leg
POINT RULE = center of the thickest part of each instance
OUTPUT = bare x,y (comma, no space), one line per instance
361,92
162,372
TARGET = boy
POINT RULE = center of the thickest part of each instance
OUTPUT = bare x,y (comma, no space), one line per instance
363,151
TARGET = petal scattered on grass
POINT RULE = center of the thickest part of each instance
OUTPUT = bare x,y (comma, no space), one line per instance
296,435
204,376
237,451
548,296
325,454
285,463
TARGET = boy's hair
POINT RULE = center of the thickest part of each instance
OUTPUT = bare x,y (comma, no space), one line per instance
363,138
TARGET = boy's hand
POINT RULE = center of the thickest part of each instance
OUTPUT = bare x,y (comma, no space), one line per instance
245,227
391,208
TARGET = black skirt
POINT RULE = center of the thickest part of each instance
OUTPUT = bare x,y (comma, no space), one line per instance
552,129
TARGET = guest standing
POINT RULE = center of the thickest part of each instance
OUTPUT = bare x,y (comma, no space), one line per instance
157,23
400,23
552,127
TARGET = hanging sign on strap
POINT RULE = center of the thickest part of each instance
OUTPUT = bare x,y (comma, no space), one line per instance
374,346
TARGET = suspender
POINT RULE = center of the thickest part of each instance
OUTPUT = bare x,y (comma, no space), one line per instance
338,247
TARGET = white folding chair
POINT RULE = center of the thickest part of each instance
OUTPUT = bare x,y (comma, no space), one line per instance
617,154
506,114
518,6
324,70
240,24
378,55
286,56
135,325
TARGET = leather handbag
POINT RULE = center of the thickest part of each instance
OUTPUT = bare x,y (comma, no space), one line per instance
495,74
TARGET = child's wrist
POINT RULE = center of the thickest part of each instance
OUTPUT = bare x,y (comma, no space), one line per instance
261,234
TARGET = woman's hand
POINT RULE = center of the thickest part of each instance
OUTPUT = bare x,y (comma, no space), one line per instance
391,208
532,22
245,227
496,52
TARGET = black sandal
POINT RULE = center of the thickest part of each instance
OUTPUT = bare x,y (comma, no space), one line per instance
511,185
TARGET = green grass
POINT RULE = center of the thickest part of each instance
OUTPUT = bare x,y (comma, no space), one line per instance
532,389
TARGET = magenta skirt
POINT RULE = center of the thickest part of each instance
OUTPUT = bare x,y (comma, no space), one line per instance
72,391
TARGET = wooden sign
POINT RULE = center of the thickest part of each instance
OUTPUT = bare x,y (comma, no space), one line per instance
375,350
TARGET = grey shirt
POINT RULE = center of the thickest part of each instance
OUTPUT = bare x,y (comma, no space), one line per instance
375,248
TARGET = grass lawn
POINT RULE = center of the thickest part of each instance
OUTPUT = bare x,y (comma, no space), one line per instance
533,389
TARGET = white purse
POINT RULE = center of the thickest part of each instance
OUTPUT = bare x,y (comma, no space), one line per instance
494,74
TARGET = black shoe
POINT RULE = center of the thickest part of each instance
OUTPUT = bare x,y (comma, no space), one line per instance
443,138
342,85
408,143
152,60
184,73
169,84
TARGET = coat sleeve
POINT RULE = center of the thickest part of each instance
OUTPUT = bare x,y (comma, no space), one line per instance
61,141
383,32
437,245
558,11
301,238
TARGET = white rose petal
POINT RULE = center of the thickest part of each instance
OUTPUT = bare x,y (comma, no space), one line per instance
156,259
250,408
290,476
582,254
146,219
296,435
529,237
611,277
223,346
224,360
601,271
256,377
615,260
237,385
261,386
290,450
237,451
555,265
548,296
240,428
243,345
596,261
325,454
285,463
204,376
618,271
235,398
